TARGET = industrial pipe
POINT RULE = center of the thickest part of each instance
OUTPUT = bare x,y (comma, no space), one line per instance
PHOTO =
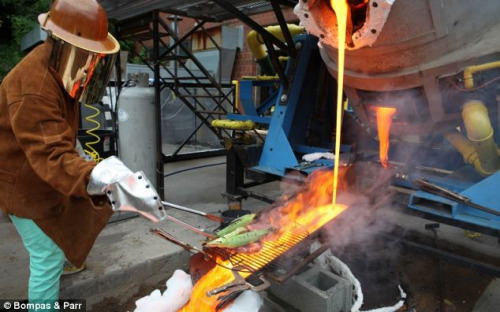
256,44
469,72
233,124
466,148
478,149
480,133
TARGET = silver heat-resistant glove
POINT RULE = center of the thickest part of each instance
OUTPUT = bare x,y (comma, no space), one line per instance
127,191
108,171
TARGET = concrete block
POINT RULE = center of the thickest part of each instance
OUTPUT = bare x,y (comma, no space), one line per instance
315,289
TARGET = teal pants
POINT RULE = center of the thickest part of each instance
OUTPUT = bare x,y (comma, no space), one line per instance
46,262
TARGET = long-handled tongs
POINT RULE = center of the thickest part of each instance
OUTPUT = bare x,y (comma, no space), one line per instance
191,227
175,240
201,213
425,185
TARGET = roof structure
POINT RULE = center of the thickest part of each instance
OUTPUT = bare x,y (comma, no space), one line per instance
205,10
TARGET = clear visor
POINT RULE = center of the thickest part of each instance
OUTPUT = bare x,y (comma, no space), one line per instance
84,74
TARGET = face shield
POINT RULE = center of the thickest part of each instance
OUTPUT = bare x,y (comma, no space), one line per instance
84,74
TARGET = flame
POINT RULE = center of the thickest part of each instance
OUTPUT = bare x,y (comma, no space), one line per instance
310,209
384,121
216,277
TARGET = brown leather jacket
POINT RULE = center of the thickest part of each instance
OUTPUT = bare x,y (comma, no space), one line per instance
42,176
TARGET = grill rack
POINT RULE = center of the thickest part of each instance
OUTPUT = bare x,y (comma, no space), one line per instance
264,259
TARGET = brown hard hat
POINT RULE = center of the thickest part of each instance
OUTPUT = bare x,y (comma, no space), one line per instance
82,23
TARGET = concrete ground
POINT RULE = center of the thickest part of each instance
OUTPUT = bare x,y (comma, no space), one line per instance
128,262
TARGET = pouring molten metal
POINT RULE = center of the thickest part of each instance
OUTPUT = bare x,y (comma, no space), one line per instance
384,121
309,210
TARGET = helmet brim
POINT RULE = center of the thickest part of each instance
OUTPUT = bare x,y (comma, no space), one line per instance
108,46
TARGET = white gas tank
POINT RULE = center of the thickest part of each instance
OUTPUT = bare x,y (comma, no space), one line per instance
136,129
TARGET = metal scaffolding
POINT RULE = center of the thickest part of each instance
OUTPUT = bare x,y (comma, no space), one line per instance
144,22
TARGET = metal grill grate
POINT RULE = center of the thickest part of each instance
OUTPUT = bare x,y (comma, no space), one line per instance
269,251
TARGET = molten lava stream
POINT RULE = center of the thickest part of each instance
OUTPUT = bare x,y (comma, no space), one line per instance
384,121
341,9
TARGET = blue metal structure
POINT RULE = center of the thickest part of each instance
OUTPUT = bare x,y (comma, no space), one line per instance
465,182
290,122
253,112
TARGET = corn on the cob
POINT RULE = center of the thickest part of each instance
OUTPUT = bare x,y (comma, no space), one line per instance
238,222
239,230
238,240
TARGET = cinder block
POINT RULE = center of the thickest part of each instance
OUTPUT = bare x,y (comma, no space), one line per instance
315,290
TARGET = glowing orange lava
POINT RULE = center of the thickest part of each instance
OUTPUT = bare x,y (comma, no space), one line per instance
341,9
384,121
309,210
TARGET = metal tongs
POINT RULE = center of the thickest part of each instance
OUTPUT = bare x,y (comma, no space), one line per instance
201,213
427,186
175,240
233,289
189,226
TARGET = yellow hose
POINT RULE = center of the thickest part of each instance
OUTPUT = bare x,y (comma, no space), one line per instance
90,150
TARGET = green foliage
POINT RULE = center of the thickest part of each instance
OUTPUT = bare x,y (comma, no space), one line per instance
127,45
9,56
133,57
21,25
17,18
137,59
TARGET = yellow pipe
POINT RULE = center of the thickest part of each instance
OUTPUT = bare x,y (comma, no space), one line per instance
233,124
480,133
466,148
256,42
236,84
471,70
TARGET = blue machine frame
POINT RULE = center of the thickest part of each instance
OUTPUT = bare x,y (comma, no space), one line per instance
483,192
283,143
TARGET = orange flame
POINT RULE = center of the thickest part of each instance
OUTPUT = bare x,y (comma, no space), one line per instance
216,277
309,210
384,121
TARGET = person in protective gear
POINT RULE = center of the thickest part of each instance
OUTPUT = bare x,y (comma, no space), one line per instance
44,183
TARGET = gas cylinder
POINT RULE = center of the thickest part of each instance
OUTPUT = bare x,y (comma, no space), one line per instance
136,128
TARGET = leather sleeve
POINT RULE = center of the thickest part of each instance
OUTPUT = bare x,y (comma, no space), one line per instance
48,143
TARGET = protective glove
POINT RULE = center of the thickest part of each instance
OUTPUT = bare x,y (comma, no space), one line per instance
108,171
127,191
